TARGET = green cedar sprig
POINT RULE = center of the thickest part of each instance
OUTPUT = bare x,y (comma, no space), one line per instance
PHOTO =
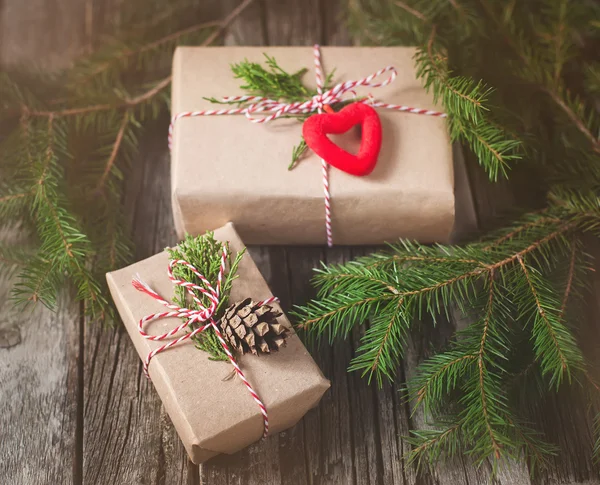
204,253
274,82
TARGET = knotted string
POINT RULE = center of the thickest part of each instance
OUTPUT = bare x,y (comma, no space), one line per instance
273,109
200,316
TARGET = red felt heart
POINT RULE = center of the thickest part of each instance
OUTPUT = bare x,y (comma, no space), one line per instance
318,126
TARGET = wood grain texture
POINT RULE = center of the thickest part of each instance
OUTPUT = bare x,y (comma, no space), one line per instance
74,405
43,33
249,27
39,352
127,437
292,22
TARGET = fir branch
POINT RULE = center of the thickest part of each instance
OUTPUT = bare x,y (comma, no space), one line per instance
571,113
46,206
383,259
481,355
462,96
554,92
117,60
383,343
570,280
536,451
538,221
592,79
390,289
91,68
115,151
14,201
67,141
491,147
430,446
38,281
439,376
57,230
559,40
335,293
411,10
341,278
464,102
89,291
13,197
147,95
339,309
554,344
518,284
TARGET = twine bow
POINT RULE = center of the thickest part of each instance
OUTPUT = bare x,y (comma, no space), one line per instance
274,109
200,316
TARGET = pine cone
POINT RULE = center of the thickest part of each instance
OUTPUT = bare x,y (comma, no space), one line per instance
249,327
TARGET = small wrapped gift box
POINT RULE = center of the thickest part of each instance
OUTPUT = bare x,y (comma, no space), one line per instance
212,412
226,168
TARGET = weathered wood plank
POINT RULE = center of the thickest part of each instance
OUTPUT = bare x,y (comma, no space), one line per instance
39,352
280,276
328,430
250,27
364,420
334,28
44,34
295,22
355,436
127,437
367,453
393,425
393,422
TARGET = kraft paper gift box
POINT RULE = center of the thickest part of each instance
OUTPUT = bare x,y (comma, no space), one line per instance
225,168
225,419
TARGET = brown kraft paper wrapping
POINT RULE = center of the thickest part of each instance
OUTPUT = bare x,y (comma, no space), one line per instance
225,168
214,415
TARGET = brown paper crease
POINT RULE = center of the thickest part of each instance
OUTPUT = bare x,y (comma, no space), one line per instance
225,168
213,415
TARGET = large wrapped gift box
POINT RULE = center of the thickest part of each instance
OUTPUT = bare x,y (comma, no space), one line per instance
212,412
225,168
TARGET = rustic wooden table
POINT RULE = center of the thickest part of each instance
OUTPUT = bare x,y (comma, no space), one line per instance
74,406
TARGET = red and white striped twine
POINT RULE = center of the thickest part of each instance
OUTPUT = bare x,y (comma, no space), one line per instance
202,315
324,164
272,109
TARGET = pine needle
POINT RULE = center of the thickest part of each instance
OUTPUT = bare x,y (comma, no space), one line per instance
66,142
507,281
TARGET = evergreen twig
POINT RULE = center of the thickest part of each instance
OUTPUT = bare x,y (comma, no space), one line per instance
66,143
520,285
274,82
